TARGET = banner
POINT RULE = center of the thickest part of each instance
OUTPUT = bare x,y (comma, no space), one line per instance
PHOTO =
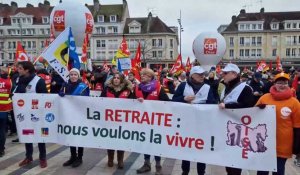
242,138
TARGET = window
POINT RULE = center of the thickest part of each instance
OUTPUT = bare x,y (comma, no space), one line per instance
154,54
274,41
10,56
42,43
288,52
253,42
1,32
14,44
1,45
45,20
241,52
259,26
247,26
171,43
258,52
42,31
1,21
274,26
274,52
247,52
242,27
293,52
159,42
101,18
259,40
295,40
171,54
159,54
113,18
33,44
253,26
294,25
241,41
115,29
231,43
247,41
253,53
231,53
153,42
29,44
288,25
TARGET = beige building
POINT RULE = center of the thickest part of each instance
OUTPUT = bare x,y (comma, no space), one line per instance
263,36
31,25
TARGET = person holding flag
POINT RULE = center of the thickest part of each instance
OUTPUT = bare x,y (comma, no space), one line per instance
77,88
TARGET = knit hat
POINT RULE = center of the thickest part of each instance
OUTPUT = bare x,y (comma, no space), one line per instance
75,70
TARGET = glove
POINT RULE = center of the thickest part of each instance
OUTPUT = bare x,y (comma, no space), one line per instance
261,106
62,94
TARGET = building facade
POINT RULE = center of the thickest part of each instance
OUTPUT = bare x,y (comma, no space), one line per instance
251,37
31,25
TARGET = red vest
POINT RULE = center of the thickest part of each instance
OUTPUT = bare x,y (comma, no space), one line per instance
152,96
47,79
124,94
98,87
5,89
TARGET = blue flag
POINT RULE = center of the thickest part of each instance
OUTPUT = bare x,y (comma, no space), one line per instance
73,56
119,66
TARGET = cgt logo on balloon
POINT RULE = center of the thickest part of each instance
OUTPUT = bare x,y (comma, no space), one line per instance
59,20
210,46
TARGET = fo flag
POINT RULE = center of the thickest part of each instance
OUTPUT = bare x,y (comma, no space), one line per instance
73,56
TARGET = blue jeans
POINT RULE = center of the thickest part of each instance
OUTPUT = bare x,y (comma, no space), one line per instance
3,125
29,150
280,167
185,166
147,157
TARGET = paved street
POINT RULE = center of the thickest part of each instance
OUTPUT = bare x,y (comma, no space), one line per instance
94,163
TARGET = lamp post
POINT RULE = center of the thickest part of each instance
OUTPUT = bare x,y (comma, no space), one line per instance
180,30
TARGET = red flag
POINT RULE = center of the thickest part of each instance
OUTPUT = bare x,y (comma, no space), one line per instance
257,64
136,63
105,66
20,53
84,50
295,83
188,65
52,36
278,64
218,69
270,65
177,67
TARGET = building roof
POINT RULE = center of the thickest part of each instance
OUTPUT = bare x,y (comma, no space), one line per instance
37,12
267,17
107,11
149,25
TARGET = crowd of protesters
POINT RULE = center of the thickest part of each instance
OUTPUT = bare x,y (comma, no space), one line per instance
231,88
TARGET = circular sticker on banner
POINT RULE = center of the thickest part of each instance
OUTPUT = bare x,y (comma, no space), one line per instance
20,103
49,117
285,112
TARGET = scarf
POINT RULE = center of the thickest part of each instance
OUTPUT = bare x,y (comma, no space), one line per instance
71,86
281,95
150,87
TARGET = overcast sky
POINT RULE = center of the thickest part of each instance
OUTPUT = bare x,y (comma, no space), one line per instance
197,15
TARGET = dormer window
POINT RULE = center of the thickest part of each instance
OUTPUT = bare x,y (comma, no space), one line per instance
274,26
100,18
113,18
134,27
45,20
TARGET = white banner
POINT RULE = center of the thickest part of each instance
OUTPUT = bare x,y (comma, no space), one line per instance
242,138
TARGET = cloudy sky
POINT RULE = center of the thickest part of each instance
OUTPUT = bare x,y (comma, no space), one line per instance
197,15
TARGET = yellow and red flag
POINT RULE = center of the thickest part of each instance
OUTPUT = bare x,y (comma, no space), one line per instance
20,53
177,67
188,65
136,63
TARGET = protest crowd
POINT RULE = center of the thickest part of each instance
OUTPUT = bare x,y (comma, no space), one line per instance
230,88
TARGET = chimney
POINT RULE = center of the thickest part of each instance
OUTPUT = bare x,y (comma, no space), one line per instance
262,10
96,6
29,5
47,3
243,11
124,3
149,22
14,6
233,18
60,1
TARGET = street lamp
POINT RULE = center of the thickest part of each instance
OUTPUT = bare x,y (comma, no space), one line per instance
180,30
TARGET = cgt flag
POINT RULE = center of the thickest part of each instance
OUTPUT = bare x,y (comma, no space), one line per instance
20,53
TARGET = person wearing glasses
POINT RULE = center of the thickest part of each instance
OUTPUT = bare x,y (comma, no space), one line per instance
150,89
117,87
287,120
194,91
236,94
